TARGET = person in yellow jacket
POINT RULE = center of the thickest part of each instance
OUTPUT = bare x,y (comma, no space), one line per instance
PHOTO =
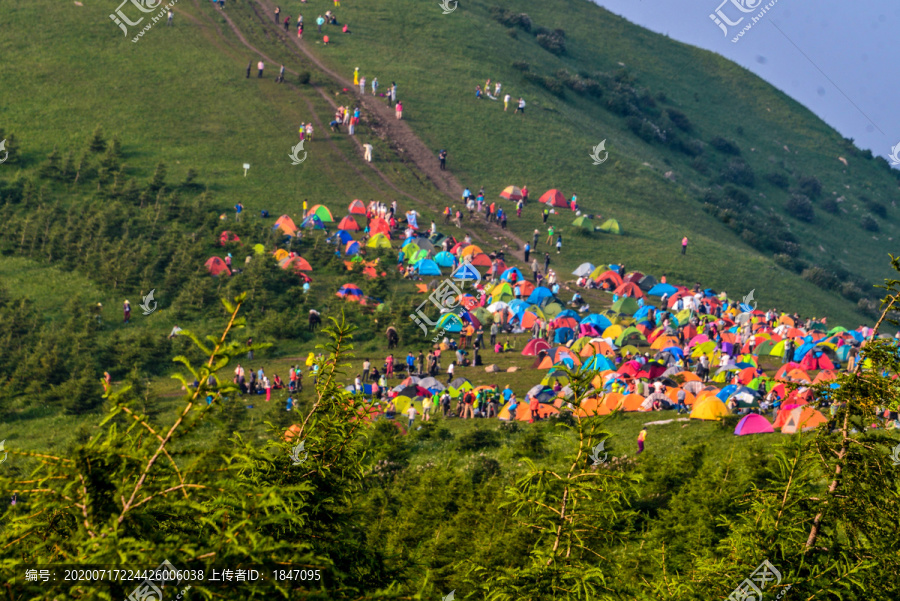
641,437
356,76
309,360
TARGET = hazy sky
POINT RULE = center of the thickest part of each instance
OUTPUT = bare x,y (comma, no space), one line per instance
835,57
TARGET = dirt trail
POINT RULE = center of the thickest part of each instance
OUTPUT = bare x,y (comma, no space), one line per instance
383,122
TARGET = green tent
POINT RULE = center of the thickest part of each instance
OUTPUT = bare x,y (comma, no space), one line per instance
626,305
259,249
611,226
630,334
551,310
584,223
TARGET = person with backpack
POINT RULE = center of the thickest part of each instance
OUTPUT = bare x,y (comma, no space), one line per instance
442,156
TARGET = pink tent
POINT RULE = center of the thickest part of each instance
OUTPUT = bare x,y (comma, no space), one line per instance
535,346
753,424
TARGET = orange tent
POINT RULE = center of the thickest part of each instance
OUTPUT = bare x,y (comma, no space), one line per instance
357,208
379,226
632,402
672,394
629,289
297,263
470,249
593,406
217,266
481,260
802,419
286,224
688,376
349,224
554,198
664,342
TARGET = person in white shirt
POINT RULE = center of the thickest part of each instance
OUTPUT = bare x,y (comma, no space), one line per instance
521,107
411,412
506,102
450,369
368,152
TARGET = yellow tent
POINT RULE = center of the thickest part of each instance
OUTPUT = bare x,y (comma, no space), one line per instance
281,254
378,241
613,331
712,409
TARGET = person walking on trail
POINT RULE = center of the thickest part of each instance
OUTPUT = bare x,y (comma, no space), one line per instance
534,268
450,369
249,67
375,86
171,16
442,155
506,102
521,107
260,65
684,243
399,111
362,86
280,75
126,309
319,22
277,14
300,31
287,23
546,262
558,243
535,236
393,97
356,76
367,152
527,251
641,437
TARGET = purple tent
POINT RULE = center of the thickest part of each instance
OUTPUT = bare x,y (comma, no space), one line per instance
753,423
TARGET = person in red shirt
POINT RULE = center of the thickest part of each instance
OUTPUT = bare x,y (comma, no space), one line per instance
534,404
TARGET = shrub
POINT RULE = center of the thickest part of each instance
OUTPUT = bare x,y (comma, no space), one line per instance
810,186
680,120
851,291
830,205
725,146
533,444
738,196
552,43
512,33
477,440
738,172
303,77
787,262
521,66
875,207
820,277
869,223
799,207
779,180
485,469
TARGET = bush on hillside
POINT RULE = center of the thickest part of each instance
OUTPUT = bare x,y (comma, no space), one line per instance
779,180
725,146
810,186
869,223
478,440
821,277
851,291
875,207
521,66
738,196
799,207
830,205
303,77
552,42
98,142
788,262
551,84
737,171
511,19
680,120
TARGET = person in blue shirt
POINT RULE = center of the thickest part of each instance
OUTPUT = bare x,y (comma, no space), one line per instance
290,404
507,394
410,363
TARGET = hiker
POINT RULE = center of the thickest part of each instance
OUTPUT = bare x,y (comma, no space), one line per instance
442,156
506,102
558,243
362,86
527,251
280,78
426,409
126,309
238,209
641,437
287,23
260,65
546,214
277,14
356,76
684,243
365,370
534,405
534,268
171,16
375,86
519,206
346,28
450,369
550,232
535,236
546,262
319,22
521,107
410,363
393,93
399,111
309,131
367,152
249,67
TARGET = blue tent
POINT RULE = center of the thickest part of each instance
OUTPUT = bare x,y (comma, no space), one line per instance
341,235
567,313
601,322
565,361
709,292
661,289
563,335
445,259
467,271
450,323
313,221
518,307
674,350
352,248
539,295
599,363
505,276
642,312
801,352
726,392
427,267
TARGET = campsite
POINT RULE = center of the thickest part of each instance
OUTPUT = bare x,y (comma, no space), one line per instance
344,301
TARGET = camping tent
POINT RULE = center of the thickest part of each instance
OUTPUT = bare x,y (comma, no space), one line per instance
226,237
352,292
378,241
427,267
710,409
554,198
349,224
286,224
753,423
802,419
626,305
357,208
584,269
610,226
217,266
584,223
511,193
322,212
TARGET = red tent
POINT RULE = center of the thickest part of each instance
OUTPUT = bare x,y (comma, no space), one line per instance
481,260
629,289
226,237
357,208
296,263
217,266
379,226
554,198
349,224
535,346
